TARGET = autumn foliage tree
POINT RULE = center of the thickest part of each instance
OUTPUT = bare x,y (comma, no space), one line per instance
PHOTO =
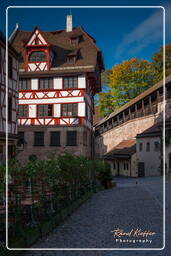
158,62
126,81
130,78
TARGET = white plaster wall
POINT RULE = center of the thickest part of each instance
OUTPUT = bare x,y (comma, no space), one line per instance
58,83
82,82
51,101
32,110
134,169
81,109
152,159
42,39
34,84
57,110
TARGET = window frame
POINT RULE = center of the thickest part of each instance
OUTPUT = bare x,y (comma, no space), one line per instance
28,82
35,61
67,111
21,137
140,147
52,144
74,57
74,39
46,79
43,141
24,106
68,141
44,105
148,147
70,77
156,146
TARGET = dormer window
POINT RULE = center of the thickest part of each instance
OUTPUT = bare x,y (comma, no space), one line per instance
71,59
74,41
37,56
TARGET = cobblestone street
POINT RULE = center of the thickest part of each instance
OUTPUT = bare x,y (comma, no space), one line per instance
128,206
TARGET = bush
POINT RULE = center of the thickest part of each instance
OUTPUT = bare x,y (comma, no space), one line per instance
105,175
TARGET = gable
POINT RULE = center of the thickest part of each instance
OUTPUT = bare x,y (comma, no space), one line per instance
36,39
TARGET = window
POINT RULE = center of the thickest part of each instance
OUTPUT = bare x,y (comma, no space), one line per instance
148,147
10,67
140,147
11,151
85,137
39,139
45,110
23,110
156,146
126,166
70,82
38,57
69,109
71,138
45,83
71,59
55,138
24,84
20,139
9,109
74,41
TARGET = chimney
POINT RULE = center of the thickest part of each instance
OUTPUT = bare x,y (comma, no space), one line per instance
69,23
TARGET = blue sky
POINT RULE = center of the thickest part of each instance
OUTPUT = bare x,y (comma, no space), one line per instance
120,33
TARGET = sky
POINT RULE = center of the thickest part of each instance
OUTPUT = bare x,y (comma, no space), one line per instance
121,33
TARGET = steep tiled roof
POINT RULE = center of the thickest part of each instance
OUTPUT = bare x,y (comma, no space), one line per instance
10,48
124,149
89,53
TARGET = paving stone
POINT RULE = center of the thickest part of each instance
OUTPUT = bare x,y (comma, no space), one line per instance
128,206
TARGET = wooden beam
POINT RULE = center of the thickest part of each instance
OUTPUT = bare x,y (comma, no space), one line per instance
150,104
136,111
143,108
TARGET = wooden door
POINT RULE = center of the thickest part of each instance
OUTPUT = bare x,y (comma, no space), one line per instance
141,169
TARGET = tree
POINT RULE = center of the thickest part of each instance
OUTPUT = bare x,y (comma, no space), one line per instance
158,62
126,81
106,77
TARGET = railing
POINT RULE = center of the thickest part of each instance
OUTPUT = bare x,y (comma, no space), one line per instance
29,206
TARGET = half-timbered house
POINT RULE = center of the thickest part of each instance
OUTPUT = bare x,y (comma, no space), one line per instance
59,75
9,102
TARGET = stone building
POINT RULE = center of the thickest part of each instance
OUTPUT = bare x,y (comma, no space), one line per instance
12,98
60,72
150,150
132,119
123,158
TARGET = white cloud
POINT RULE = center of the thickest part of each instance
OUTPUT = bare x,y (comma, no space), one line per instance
144,34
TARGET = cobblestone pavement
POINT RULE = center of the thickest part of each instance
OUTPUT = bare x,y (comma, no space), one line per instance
134,203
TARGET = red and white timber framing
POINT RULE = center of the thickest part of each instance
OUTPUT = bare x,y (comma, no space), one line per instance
57,96
12,92
37,42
